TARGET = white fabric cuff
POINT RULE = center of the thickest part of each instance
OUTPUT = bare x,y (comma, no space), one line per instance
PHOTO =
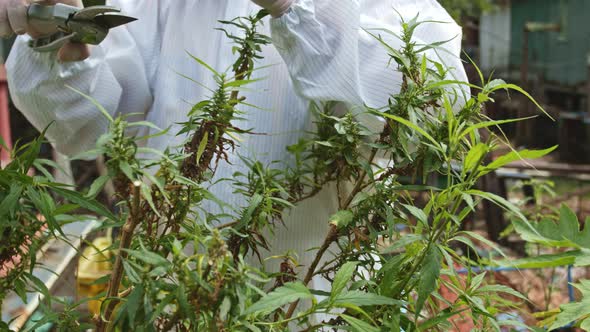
280,7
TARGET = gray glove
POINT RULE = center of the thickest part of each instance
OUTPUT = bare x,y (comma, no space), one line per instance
13,20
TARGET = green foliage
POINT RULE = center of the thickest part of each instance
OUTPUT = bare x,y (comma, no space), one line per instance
429,274
279,297
174,269
30,213
579,311
463,8
565,232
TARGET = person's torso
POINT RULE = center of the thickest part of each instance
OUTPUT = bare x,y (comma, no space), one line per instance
167,32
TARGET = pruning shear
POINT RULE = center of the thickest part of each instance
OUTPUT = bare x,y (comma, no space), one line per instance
88,25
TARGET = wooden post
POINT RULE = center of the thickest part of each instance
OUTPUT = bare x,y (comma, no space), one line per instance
4,116
588,85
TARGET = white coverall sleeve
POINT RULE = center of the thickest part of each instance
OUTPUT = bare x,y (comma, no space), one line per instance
331,58
114,76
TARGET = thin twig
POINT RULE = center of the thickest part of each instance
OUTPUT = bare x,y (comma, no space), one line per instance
359,183
330,238
333,233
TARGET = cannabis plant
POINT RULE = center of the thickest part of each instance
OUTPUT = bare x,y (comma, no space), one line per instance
32,209
386,254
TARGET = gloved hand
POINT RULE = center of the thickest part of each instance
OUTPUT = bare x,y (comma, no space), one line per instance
13,19
276,8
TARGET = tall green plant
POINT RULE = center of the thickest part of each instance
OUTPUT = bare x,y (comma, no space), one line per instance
32,210
173,270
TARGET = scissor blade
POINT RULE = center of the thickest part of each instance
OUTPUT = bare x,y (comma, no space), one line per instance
113,21
90,13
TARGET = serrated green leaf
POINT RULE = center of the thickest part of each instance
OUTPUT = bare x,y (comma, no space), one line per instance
487,124
485,241
418,213
402,242
225,308
515,156
146,193
97,186
254,202
429,273
342,278
414,127
85,202
38,285
281,296
203,63
475,155
94,102
565,233
572,312
441,318
148,257
133,304
361,299
144,124
127,170
500,201
501,289
202,146
543,261
9,203
501,85
584,259
359,325
183,303
130,272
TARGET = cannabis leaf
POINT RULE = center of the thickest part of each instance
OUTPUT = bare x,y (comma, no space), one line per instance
572,312
288,293
565,233
429,274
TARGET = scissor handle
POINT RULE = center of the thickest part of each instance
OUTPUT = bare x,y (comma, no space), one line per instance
50,43
44,19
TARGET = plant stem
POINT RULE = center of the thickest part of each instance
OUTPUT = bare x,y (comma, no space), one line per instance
437,232
333,233
117,274
330,238
361,180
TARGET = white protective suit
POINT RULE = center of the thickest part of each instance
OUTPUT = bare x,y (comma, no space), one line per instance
320,52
